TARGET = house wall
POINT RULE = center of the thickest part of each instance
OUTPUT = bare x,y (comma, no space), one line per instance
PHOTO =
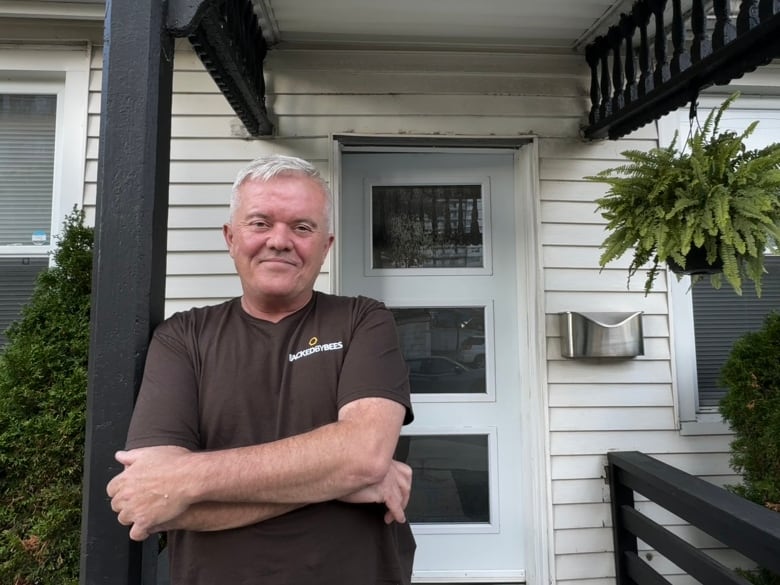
593,406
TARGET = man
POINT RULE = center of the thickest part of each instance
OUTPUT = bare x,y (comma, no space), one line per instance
263,435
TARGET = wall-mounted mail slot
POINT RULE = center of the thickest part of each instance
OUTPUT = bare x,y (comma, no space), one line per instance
593,335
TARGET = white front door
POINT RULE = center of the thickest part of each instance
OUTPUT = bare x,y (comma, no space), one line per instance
432,234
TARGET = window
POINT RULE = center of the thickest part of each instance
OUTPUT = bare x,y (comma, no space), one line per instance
720,318
706,321
27,127
43,104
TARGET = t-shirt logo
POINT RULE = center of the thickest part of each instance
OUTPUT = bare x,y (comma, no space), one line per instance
315,347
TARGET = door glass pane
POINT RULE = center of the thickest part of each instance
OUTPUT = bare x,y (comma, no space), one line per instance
450,484
444,348
27,126
427,226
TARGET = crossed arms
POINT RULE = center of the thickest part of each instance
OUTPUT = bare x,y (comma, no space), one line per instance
172,488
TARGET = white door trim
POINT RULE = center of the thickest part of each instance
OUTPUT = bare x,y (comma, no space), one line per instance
537,494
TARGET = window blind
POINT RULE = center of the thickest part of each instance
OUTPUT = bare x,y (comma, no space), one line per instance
721,317
17,281
27,127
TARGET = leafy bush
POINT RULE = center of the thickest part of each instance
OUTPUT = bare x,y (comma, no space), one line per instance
751,406
43,383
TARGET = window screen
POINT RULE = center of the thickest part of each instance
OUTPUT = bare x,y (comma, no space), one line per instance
721,317
27,127
17,281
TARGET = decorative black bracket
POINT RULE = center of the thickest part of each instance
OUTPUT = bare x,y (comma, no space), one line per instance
671,82
227,37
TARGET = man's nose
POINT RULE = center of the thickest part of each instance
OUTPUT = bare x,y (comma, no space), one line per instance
279,237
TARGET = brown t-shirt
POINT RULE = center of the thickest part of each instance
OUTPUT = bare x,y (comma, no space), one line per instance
218,378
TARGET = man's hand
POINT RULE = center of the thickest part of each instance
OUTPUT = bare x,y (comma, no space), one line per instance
393,491
148,493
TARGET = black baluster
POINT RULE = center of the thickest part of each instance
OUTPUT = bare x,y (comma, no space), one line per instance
592,57
606,87
700,46
661,73
642,18
725,31
627,28
615,40
748,16
681,60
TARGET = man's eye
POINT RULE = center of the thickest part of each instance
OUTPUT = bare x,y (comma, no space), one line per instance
259,224
303,228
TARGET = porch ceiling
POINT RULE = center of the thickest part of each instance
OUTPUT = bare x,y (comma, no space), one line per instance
541,25
504,25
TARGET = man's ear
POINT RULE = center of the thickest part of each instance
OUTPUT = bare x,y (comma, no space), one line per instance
227,233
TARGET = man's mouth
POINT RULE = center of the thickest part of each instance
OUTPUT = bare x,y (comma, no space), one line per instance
278,260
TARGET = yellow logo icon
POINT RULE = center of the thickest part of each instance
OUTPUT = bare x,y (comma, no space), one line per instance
313,341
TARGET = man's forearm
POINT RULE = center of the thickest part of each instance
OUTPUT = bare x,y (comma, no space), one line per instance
324,464
160,483
213,516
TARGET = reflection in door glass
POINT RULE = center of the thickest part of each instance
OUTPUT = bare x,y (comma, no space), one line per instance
427,226
450,483
444,349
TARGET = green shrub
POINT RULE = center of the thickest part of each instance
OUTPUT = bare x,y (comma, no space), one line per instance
751,406
43,384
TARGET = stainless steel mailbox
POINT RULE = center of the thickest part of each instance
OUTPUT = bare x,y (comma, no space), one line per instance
592,335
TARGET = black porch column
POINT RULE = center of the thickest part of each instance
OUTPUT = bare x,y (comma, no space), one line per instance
129,268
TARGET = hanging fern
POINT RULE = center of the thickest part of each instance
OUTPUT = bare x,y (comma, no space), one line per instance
714,194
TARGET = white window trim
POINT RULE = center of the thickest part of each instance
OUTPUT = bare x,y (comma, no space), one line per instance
63,72
693,421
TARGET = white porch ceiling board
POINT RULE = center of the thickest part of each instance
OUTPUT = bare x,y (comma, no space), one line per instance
490,24
468,25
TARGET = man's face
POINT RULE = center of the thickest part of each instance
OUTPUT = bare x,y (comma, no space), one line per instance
278,239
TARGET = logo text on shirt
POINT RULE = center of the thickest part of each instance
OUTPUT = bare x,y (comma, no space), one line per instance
316,349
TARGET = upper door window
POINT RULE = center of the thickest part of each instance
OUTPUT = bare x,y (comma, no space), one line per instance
433,228
427,226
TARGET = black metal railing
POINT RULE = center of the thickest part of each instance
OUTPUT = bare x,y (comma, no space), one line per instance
635,78
737,523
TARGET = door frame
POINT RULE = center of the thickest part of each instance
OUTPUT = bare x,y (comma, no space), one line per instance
537,491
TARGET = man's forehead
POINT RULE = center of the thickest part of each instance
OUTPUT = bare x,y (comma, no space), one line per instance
306,205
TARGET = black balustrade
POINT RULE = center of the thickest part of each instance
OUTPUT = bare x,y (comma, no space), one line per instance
750,529
637,75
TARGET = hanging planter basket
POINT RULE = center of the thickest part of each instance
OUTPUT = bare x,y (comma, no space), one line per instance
696,264
713,191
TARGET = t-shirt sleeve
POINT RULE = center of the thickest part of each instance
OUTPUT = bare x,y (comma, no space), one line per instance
166,412
373,365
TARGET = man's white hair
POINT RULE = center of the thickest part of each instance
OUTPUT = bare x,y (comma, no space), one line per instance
270,166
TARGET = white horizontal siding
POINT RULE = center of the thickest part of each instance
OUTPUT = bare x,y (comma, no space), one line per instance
579,395
612,419
647,441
